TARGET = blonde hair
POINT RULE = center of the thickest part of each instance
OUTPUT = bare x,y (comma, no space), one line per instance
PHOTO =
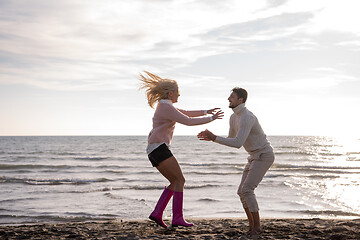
156,87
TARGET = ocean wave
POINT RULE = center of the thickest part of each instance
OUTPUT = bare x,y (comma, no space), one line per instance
110,195
150,187
224,153
204,186
289,147
316,176
114,171
309,168
26,157
17,199
30,181
141,173
221,165
25,219
65,153
212,173
272,175
103,189
207,200
31,166
352,153
36,152
328,213
113,166
161,187
331,154
49,166
91,158
294,153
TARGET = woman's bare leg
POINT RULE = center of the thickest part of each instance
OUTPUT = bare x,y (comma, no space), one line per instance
171,170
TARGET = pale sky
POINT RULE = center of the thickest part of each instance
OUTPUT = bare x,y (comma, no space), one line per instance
71,67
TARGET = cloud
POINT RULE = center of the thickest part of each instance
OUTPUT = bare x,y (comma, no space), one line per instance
93,50
353,45
92,45
275,3
337,16
271,26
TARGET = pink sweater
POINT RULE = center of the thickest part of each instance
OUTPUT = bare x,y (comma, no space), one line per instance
165,117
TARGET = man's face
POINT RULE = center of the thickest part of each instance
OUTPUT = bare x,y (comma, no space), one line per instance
234,101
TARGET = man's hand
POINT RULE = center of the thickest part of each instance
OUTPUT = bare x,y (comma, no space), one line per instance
206,136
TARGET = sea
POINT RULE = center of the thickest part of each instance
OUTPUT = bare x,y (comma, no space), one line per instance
51,179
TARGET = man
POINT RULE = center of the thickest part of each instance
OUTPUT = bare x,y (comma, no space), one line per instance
246,131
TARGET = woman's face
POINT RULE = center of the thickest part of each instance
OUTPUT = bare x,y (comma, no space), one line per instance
174,95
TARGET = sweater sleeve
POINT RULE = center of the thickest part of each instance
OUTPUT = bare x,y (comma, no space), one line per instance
196,113
175,115
246,124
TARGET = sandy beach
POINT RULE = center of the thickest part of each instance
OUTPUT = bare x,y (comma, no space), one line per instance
204,229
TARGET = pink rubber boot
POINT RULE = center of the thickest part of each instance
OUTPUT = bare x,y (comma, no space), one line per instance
178,219
156,215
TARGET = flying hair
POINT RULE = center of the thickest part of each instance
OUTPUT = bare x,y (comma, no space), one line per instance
156,88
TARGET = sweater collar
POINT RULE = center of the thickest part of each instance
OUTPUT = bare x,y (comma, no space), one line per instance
168,101
238,109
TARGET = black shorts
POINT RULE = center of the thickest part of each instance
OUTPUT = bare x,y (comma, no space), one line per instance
160,154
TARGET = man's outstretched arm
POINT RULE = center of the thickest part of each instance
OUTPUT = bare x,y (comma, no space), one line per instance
236,141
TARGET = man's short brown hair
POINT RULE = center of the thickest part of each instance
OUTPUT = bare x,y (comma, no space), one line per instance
241,93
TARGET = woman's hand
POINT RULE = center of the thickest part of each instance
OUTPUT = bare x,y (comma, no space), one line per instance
218,115
211,111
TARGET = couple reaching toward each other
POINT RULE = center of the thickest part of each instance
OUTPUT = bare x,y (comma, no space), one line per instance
245,130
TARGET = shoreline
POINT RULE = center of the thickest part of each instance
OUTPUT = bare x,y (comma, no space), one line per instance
205,228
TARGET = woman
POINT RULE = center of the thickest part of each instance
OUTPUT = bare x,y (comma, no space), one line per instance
166,92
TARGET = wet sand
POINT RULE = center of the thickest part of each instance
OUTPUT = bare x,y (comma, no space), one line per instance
234,228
